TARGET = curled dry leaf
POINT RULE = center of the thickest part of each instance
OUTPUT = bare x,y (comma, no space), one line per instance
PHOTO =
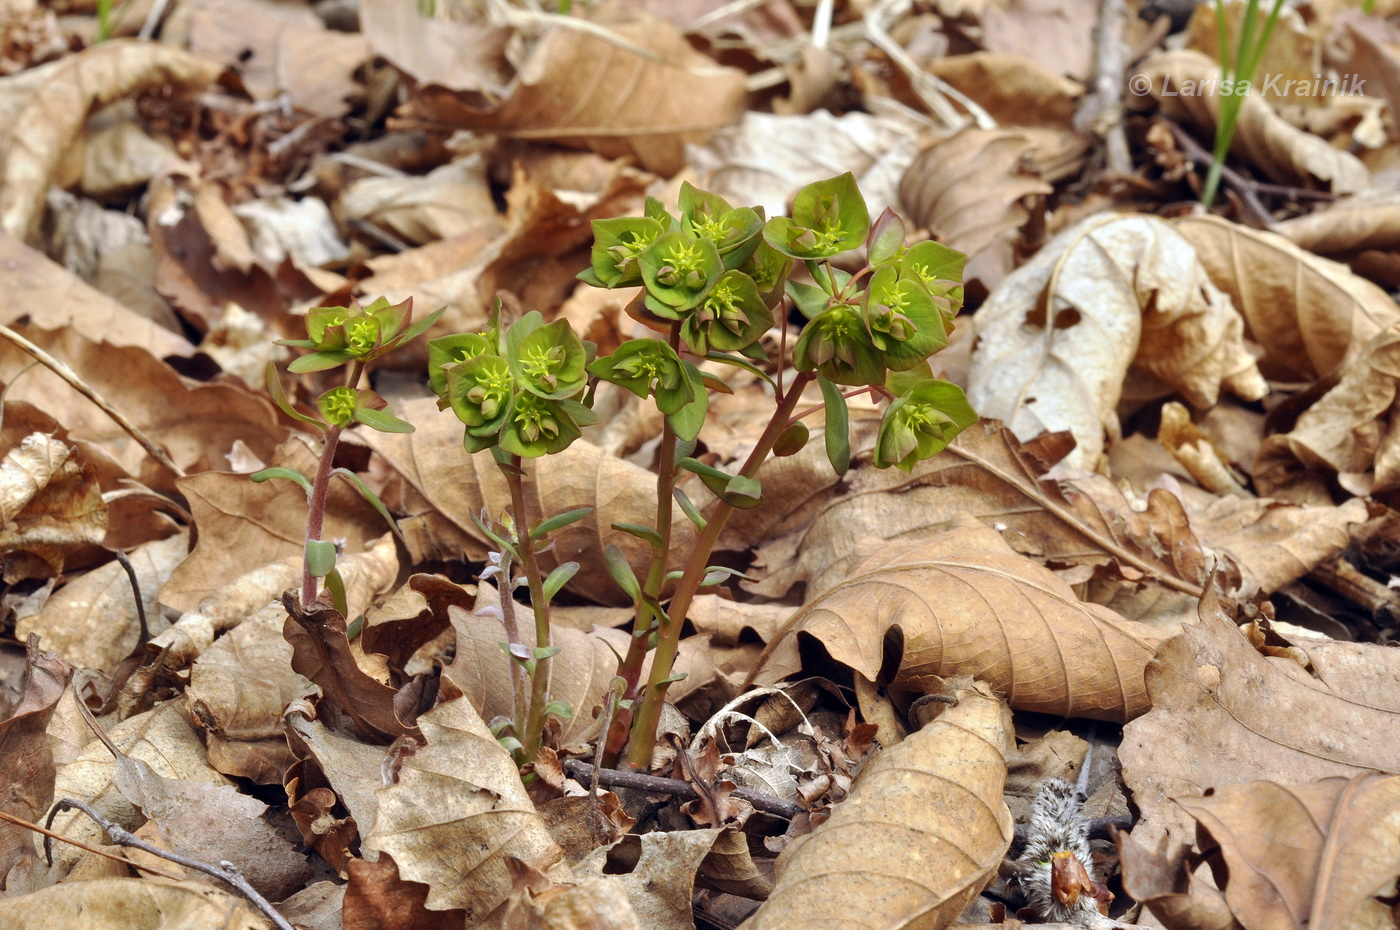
45,108
1318,855
1076,519
1363,231
643,92
922,833
966,604
1264,139
661,881
1222,714
1014,90
1348,434
50,507
457,487
26,758
457,811
1057,338
131,904
1307,312
968,192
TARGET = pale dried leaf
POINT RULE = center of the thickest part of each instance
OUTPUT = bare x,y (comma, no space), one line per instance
1056,34
130,904
1307,312
1347,433
1363,231
1283,153
429,48
661,882
1057,338
1222,714
922,833
457,811
446,202
645,101
1014,90
44,111
967,604
1316,854
26,758
50,508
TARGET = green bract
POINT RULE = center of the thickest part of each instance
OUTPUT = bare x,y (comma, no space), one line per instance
731,317
342,406
905,323
338,405
735,233
616,245
446,350
355,333
479,392
678,269
546,360
769,270
918,425
837,344
536,426
828,217
647,367
940,269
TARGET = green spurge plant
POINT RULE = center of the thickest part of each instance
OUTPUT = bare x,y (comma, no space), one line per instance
352,337
714,279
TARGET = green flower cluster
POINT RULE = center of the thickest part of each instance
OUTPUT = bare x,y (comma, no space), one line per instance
517,389
721,272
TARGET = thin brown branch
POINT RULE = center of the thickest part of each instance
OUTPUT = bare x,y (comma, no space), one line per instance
615,778
225,871
95,850
83,388
1240,184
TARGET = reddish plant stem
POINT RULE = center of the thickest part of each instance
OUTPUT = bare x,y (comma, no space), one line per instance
320,486
668,644
525,547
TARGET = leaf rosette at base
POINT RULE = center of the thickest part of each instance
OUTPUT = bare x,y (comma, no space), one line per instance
919,424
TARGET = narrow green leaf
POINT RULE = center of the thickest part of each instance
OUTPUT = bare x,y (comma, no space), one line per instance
279,397
560,709
291,474
558,578
320,556
319,361
501,544
336,586
560,521
372,499
838,428
547,652
621,571
688,508
726,358
641,532
382,421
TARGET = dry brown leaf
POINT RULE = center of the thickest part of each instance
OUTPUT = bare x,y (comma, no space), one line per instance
661,879
1056,340
1307,312
278,48
645,99
1319,854
429,49
1362,231
197,425
376,898
968,191
237,691
456,812
162,739
351,697
1013,89
44,110
50,508
446,202
243,525
1055,34
130,904
91,621
348,766
1079,520
26,759
457,486
966,604
53,298
922,833
1369,48
1223,714
1347,434
1293,52
1283,153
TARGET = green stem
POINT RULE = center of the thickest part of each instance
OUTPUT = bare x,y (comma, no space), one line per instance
525,546
668,644
316,501
631,668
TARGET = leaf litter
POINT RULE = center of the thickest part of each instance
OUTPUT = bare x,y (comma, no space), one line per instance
1183,472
